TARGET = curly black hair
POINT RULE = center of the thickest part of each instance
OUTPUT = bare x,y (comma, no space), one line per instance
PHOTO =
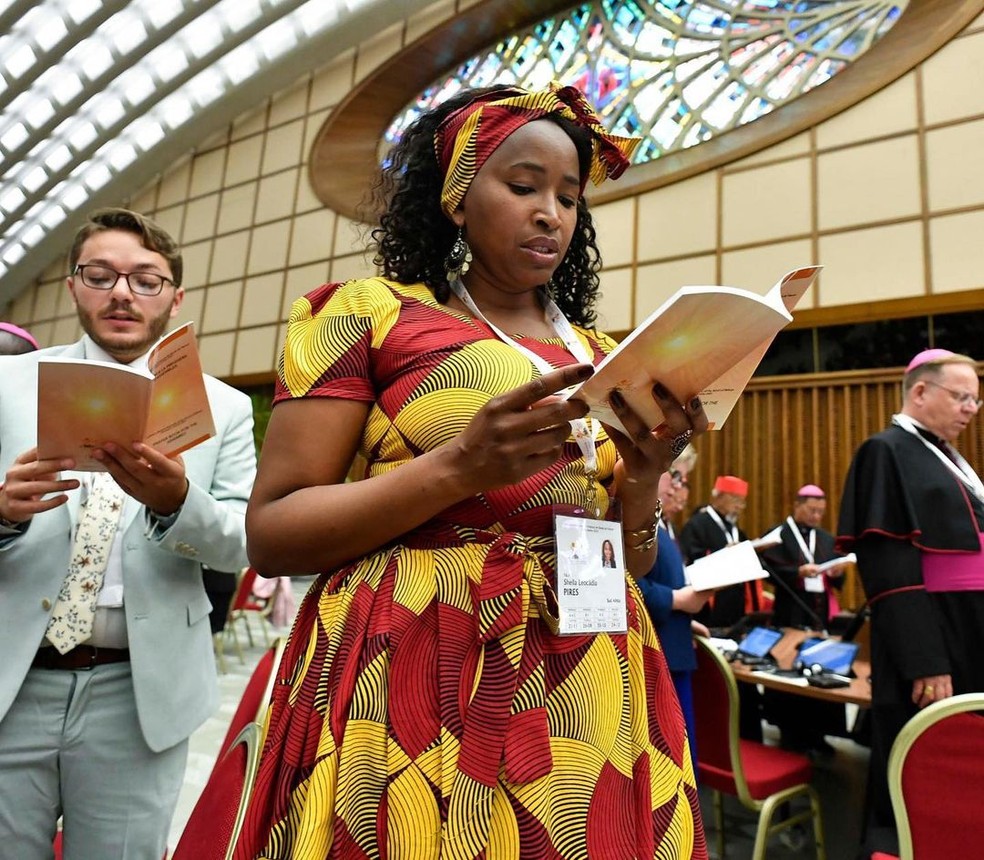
414,235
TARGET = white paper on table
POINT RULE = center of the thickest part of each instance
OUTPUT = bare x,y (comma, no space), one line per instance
725,646
733,564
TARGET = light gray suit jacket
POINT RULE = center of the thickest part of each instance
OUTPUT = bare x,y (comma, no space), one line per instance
173,666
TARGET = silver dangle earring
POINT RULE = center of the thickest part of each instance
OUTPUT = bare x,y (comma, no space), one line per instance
458,258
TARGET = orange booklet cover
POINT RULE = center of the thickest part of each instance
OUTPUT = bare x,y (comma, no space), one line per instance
702,341
84,404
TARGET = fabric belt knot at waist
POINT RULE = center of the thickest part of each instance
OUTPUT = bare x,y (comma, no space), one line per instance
494,736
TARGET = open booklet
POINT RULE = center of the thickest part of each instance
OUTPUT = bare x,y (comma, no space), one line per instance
770,539
729,566
84,404
850,558
703,341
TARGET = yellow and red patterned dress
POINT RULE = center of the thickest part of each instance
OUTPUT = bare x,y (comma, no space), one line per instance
424,707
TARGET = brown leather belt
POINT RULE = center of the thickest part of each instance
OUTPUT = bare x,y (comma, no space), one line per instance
80,657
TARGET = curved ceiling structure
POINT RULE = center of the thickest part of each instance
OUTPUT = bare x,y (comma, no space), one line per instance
345,154
96,98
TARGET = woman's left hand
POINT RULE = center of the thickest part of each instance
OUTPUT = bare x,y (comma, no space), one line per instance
646,454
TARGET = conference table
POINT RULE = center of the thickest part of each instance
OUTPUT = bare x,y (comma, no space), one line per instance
858,692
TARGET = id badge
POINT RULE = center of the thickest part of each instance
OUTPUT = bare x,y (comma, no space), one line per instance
813,584
590,575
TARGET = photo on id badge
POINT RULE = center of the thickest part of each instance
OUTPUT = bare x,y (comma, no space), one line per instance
590,575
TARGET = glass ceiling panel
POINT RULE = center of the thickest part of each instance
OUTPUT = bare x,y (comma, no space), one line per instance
127,75
677,73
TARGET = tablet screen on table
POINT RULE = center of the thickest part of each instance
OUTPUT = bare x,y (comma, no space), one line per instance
758,642
831,654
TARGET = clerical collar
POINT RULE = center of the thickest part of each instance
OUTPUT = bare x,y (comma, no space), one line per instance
926,433
799,534
730,529
955,463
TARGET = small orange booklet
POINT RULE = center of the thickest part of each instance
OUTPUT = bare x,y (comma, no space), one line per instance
85,404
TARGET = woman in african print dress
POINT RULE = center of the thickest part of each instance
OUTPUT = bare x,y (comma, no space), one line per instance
426,706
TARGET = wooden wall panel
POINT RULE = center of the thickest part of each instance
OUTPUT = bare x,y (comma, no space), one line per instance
789,431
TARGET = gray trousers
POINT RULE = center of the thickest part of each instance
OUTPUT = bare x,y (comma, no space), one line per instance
71,745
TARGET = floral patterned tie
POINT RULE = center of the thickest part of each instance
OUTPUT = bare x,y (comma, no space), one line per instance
75,609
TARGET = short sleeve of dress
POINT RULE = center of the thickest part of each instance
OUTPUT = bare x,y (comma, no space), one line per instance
331,333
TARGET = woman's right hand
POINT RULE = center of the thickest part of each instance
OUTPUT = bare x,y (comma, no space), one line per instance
304,518
520,432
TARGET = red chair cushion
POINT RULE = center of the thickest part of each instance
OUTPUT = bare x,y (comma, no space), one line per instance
244,590
767,770
881,855
209,829
943,785
770,769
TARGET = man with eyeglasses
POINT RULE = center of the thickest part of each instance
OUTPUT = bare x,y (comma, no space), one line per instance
913,512
96,729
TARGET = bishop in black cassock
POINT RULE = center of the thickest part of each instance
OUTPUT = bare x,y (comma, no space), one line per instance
803,599
913,512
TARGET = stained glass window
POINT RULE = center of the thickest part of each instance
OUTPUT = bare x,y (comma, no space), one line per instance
677,73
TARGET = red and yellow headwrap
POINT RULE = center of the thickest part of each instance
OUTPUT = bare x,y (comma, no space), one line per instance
467,137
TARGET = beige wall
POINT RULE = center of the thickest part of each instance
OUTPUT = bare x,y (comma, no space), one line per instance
889,196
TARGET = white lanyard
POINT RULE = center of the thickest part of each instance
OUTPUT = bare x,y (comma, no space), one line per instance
964,471
584,432
730,531
808,553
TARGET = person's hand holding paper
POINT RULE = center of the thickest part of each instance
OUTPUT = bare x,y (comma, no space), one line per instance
729,566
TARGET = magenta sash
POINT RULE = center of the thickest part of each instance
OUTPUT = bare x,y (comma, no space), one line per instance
954,571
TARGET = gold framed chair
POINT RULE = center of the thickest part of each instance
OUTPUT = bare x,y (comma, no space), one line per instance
761,777
241,607
936,780
218,815
256,696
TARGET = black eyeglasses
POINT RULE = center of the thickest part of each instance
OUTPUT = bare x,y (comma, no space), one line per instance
105,278
677,479
962,397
